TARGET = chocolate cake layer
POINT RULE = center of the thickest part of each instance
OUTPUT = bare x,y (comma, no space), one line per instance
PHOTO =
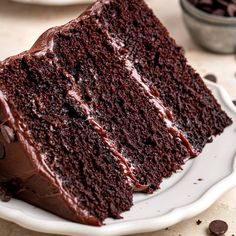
50,124
98,108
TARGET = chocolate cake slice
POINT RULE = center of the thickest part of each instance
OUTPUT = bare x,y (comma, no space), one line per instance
99,108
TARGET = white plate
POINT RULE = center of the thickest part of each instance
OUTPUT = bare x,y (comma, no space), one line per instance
181,197
55,2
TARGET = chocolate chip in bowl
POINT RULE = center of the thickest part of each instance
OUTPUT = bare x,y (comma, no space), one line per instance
226,8
211,23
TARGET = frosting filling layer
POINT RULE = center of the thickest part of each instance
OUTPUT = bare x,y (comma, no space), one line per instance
165,113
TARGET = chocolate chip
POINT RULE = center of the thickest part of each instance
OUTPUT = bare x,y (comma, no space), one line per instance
198,222
231,10
206,2
225,8
8,134
218,12
206,9
2,151
223,2
211,78
234,102
218,227
194,2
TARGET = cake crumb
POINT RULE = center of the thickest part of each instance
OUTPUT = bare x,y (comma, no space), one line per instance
198,222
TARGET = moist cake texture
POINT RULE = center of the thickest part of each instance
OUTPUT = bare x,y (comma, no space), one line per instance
99,108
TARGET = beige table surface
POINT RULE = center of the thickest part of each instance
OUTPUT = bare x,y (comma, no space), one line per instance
20,25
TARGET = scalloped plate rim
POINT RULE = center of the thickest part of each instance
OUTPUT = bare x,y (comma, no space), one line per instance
136,226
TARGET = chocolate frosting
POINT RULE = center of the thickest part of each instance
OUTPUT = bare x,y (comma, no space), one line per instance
44,42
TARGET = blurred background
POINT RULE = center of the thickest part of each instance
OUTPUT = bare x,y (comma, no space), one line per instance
21,24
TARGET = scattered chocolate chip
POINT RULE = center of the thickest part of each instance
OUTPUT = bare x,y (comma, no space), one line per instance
218,227
200,179
198,222
5,196
2,151
166,228
211,78
8,134
234,102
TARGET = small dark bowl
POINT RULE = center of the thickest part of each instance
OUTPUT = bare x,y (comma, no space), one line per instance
214,33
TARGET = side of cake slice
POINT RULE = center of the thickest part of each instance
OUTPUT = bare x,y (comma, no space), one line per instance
98,108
